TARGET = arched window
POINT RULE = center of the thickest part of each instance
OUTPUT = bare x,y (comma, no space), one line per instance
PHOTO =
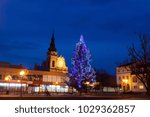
134,79
53,63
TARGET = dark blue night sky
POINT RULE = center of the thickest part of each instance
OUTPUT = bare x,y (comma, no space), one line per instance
108,27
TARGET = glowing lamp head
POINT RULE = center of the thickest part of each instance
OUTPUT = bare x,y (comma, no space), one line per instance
6,78
22,73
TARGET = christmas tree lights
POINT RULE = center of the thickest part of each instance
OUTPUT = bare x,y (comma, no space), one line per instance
81,68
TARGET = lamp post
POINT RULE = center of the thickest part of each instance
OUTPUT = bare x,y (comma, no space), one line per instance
87,83
8,78
22,73
56,83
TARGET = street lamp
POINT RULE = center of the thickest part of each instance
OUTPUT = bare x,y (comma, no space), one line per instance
8,78
22,73
56,83
87,83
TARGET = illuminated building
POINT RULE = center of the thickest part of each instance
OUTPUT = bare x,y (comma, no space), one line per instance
128,82
50,76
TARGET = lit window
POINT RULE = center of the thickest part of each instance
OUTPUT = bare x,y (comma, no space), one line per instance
141,87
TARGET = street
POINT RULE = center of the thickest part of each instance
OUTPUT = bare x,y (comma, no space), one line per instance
76,97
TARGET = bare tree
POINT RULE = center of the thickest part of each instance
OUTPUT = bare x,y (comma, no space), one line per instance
140,61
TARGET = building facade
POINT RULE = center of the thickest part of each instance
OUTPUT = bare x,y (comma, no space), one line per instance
50,76
128,82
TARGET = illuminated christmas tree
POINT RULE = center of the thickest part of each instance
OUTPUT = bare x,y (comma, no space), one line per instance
82,70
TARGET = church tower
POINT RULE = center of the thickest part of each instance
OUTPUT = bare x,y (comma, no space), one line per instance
53,62
52,55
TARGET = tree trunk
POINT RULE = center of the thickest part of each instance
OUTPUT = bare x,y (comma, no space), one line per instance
148,87
80,92
72,90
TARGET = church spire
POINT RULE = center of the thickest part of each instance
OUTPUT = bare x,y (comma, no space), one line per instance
52,44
